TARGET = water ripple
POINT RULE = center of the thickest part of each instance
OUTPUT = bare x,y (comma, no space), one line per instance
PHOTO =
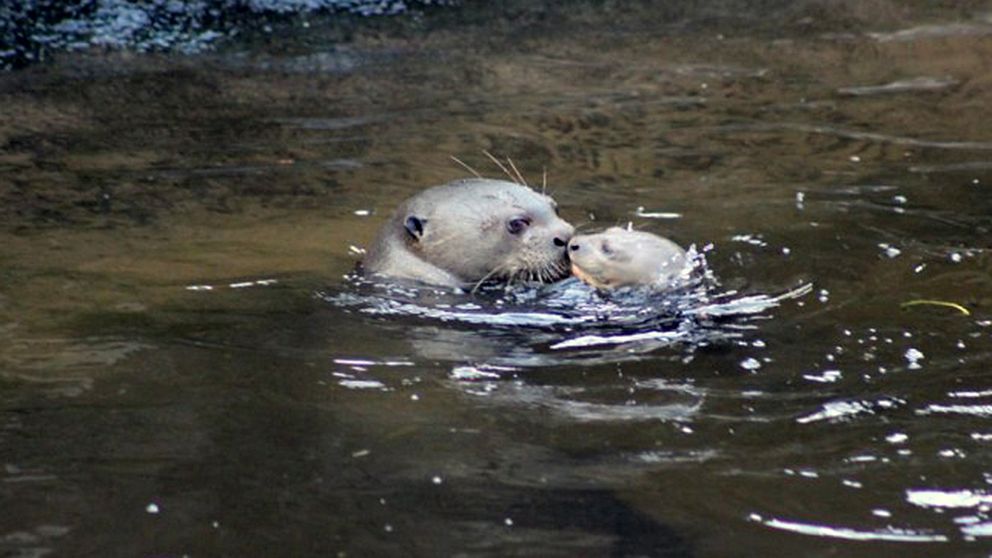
567,316
856,135
817,530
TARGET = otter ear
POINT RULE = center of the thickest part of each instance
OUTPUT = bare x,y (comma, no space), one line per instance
414,226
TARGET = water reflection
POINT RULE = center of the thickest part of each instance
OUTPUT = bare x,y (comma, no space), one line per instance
148,358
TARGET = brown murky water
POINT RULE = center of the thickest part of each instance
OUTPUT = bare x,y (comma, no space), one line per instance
171,385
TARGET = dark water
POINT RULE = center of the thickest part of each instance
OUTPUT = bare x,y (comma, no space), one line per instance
174,380
32,31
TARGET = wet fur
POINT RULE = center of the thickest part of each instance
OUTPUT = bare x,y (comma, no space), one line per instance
465,239
634,258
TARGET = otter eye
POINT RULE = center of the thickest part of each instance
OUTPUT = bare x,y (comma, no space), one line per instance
517,226
605,247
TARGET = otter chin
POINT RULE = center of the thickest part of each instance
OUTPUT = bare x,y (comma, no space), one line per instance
465,232
619,257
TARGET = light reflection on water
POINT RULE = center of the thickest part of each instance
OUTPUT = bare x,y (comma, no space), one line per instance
167,227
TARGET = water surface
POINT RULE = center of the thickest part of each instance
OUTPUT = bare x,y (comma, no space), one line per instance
175,381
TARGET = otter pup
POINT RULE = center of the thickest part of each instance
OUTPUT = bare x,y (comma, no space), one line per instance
619,257
468,231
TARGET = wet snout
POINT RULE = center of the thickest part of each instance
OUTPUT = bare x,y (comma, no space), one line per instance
583,262
581,252
576,247
562,234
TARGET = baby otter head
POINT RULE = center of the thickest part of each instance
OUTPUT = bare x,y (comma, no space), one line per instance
619,257
468,231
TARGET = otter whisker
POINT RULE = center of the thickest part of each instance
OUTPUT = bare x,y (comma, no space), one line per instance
520,176
544,180
509,283
468,168
500,165
459,234
484,278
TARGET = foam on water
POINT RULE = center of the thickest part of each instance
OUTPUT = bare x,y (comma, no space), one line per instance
570,321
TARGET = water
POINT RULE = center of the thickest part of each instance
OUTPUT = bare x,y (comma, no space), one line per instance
176,380
33,30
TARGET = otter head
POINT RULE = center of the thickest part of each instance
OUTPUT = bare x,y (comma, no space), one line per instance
619,257
487,229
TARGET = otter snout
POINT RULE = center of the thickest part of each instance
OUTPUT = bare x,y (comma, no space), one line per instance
563,235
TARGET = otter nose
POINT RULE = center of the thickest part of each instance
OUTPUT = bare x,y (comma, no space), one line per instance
563,235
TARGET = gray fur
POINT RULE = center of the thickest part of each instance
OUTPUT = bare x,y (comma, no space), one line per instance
465,238
618,258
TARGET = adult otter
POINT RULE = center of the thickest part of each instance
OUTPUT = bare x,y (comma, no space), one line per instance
620,258
468,231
